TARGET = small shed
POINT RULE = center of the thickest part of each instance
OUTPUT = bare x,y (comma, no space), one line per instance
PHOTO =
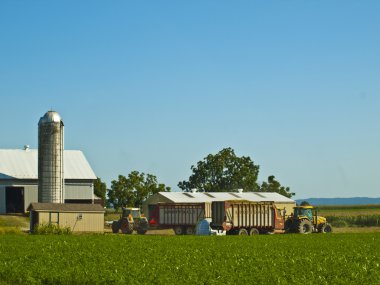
79,217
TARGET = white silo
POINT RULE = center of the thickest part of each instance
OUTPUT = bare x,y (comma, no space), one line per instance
50,159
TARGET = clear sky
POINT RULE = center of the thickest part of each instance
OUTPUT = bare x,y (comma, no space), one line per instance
155,86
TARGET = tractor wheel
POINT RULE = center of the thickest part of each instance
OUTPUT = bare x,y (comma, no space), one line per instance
126,227
143,225
141,231
242,232
325,229
179,231
190,230
288,226
253,232
305,227
115,227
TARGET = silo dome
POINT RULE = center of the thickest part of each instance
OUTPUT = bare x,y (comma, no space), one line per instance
50,159
50,117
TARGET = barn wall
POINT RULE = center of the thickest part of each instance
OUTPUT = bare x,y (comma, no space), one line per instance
73,191
3,208
79,191
30,195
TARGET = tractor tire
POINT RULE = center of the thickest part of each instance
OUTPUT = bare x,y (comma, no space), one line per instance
254,232
141,231
305,227
115,227
289,227
143,225
190,231
179,231
126,227
243,232
325,229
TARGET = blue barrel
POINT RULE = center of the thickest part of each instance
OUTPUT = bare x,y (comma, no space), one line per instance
203,228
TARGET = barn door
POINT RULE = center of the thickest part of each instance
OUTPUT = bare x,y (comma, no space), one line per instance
14,199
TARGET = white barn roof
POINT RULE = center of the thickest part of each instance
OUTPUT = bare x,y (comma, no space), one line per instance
23,164
201,197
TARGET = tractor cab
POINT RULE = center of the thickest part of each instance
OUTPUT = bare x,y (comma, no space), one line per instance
134,212
304,211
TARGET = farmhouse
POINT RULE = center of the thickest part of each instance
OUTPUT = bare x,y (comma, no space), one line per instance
78,217
281,202
19,179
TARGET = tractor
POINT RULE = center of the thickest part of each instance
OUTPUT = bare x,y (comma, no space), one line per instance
131,220
305,220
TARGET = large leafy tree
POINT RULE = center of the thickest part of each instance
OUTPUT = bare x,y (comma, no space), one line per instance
223,172
100,189
272,185
132,190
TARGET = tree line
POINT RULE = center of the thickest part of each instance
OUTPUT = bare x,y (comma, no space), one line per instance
221,172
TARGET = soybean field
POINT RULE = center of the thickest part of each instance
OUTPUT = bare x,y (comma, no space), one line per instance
132,259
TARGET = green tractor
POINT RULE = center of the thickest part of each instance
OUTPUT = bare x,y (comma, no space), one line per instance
131,220
305,220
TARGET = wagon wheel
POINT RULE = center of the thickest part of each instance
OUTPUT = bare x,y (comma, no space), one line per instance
254,232
190,231
243,232
178,230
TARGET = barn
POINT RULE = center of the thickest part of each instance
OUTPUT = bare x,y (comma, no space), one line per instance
19,179
281,202
78,217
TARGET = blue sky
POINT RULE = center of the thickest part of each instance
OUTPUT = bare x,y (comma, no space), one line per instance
155,86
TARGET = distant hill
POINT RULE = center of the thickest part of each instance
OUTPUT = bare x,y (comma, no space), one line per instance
341,201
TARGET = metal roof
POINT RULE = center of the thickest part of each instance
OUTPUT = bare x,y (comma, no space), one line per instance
201,197
50,117
46,207
23,164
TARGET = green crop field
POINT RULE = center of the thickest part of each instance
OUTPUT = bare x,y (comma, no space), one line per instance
349,210
126,259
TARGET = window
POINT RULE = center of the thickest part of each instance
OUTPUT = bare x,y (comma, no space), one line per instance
54,218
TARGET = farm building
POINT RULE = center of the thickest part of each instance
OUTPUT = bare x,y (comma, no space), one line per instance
19,179
280,201
79,217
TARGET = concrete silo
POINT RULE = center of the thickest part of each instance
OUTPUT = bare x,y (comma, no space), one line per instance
50,159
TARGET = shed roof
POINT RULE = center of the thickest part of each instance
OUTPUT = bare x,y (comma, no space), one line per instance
23,164
47,207
201,197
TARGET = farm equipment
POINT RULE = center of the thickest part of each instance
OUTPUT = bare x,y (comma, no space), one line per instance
305,220
246,218
130,220
181,217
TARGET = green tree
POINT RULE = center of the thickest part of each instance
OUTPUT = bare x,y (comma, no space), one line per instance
100,189
274,186
131,191
305,203
223,172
